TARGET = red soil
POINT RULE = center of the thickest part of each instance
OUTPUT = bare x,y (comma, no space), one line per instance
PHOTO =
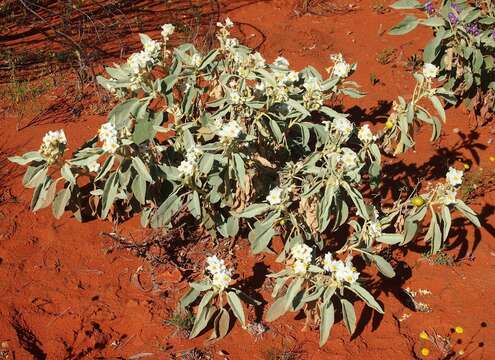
67,292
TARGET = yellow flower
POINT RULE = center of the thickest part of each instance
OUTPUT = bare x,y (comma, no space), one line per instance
423,335
425,351
466,166
459,330
418,201
492,158
460,352
389,124
282,222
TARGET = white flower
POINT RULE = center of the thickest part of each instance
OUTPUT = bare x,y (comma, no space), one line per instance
275,196
450,197
193,154
260,86
331,265
220,275
228,23
110,146
345,272
454,177
365,134
196,60
281,62
230,131
107,131
51,148
186,168
349,158
152,48
341,69
94,166
301,252
167,30
430,71
231,43
139,61
299,267
342,125
374,229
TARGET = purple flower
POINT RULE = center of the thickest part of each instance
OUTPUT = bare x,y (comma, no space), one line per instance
493,34
473,29
453,18
428,6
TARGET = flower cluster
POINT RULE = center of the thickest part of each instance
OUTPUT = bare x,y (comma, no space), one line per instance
343,126
229,131
220,275
189,165
301,254
53,145
340,270
454,180
340,69
167,30
365,134
430,71
107,134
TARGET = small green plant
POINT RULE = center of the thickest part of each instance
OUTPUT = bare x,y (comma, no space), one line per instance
182,319
462,47
215,293
373,79
385,56
407,116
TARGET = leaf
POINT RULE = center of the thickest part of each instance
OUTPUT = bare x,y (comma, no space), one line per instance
366,296
408,24
142,169
221,324
189,297
438,107
253,210
26,158
276,310
194,205
327,314
467,212
139,189
383,266
348,315
390,239
446,221
236,306
107,166
60,202
109,193
406,4
240,170
324,207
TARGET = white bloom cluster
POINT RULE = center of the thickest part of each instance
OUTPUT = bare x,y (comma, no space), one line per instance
291,77
341,69
167,30
454,177
342,271
148,56
52,145
107,134
365,134
430,71
229,131
349,158
343,126
301,254
235,97
312,84
189,165
228,24
275,196
220,275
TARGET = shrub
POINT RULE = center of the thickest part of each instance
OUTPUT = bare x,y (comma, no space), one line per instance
462,47
249,147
